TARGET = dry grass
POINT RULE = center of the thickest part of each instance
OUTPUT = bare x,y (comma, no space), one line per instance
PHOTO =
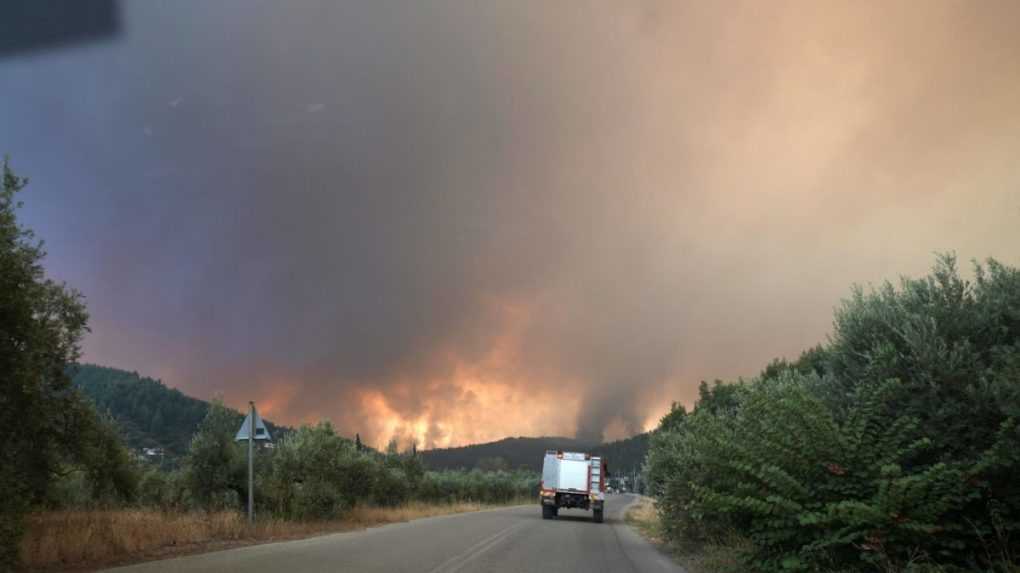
714,557
642,515
61,540
368,516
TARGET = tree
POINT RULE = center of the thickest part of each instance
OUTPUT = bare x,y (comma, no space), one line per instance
112,475
675,418
214,465
157,421
41,326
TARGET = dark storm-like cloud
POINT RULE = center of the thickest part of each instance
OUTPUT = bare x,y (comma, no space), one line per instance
452,222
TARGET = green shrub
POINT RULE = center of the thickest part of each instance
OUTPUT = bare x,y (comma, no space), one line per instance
479,486
397,477
390,486
158,489
313,473
896,443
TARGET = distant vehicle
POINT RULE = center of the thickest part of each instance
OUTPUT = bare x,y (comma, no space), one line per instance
573,480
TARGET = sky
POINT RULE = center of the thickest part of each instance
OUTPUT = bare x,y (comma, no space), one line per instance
453,221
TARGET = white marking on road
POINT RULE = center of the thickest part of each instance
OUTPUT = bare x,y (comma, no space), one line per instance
457,562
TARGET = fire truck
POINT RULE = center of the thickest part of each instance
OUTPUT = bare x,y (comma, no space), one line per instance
573,480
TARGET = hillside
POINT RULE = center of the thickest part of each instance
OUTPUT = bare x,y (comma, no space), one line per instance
508,453
149,414
623,456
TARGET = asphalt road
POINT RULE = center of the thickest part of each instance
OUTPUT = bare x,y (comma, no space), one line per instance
508,540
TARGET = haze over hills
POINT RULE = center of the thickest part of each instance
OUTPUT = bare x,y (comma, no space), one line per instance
151,415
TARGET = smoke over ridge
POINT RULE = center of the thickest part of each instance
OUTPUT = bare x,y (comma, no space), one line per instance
451,222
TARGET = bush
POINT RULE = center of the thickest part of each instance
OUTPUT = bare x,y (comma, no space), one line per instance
161,489
390,486
99,472
896,442
450,486
316,474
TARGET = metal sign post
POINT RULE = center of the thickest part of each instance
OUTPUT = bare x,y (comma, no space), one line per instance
253,428
251,462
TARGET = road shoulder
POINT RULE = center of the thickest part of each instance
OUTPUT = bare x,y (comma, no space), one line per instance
710,557
265,533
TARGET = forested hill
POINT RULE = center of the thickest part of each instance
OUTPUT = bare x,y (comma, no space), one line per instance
148,414
623,456
508,453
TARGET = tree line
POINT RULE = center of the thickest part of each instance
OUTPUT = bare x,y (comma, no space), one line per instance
312,473
894,446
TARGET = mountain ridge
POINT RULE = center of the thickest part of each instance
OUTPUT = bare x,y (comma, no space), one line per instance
523,452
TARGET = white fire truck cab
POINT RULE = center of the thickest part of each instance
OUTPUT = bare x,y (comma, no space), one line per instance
573,480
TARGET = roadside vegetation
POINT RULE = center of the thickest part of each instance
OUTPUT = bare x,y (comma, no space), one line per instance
75,495
894,446
721,555
70,539
312,482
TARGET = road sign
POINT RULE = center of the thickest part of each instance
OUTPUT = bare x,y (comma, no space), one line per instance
261,431
253,428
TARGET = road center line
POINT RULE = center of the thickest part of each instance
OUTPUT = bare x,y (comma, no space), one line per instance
457,562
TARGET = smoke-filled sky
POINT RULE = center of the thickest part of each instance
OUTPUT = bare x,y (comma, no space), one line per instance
458,221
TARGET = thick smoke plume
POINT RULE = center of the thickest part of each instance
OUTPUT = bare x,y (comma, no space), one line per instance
451,222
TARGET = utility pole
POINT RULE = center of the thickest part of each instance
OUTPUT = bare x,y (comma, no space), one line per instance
251,462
